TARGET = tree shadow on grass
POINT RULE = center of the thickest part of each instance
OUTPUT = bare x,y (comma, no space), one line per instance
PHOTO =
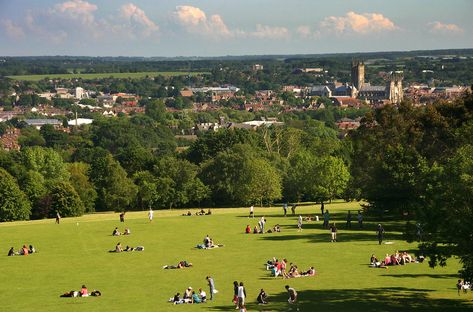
325,237
366,300
422,275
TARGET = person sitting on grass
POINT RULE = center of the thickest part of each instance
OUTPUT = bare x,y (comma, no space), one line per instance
248,229
84,292
188,214
202,295
262,297
208,212
11,252
24,251
200,213
180,265
116,232
127,231
195,298
188,293
118,248
255,230
31,249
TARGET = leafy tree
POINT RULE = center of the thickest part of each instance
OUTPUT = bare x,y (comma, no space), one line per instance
186,186
30,136
115,190
46,161
14,204
65,200
84,187
33,185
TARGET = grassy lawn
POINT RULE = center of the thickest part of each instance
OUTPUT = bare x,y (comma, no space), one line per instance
75,253
102,75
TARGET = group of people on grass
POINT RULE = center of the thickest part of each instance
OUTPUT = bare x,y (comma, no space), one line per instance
463,286
397,258
119,248
279,268
82,293
208,243
180,265
23,251
256,230
116,232
190,296
201,212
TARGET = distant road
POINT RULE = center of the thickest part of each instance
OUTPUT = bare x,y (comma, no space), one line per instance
103,75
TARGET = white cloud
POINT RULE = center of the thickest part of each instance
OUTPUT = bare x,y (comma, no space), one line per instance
195,20
77,21
352,22
269,32
12,29
441,28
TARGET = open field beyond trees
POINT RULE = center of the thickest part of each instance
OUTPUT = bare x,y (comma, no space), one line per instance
75,252
137,75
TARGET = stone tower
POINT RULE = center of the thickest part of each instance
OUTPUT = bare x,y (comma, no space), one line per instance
394,92
358,74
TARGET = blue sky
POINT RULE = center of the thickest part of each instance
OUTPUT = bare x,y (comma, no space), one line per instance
230,27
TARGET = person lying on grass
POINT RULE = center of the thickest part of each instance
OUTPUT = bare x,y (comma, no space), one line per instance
119,248
180,265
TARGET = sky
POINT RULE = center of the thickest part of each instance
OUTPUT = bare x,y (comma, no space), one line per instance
230,27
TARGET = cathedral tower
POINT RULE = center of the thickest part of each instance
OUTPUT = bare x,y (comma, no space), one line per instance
358,74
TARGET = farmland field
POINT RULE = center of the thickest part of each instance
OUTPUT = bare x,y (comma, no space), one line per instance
103,75
75,252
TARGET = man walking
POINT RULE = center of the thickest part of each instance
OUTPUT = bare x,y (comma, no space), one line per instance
380,232
299,223
292,294
150,214
241,295
349,219
360,219
252,212
333,230
284,207
58,217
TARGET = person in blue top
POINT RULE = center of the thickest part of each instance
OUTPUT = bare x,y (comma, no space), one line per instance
195,298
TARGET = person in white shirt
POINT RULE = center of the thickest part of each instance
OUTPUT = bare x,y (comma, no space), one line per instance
299,223
150,214
241,295
202,294
252,212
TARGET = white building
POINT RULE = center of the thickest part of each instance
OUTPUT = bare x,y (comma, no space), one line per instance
79,93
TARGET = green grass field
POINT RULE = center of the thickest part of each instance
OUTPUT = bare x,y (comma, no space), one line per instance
75,252
103,75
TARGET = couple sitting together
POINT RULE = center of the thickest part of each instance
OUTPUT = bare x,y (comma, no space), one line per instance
119,248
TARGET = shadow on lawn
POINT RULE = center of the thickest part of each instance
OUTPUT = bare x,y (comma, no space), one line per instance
385,299
325,237
452,276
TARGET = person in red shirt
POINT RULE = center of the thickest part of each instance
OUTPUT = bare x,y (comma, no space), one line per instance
84,292
248,229
25,250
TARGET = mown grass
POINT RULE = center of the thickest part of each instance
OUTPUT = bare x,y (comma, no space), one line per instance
103,75
75,252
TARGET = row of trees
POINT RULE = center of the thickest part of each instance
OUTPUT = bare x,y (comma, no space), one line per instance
131,163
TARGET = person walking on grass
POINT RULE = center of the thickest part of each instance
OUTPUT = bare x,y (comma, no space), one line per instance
284,208
380,233
360,219
211,287
326,219
252,212
349,219
333,231
150,214
58,217
241,295
122,216
292,294
299,224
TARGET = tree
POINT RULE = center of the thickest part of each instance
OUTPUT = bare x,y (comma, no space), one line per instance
84,187
14,205
240,176
186,186
115,190
33,185
65,200
46,161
